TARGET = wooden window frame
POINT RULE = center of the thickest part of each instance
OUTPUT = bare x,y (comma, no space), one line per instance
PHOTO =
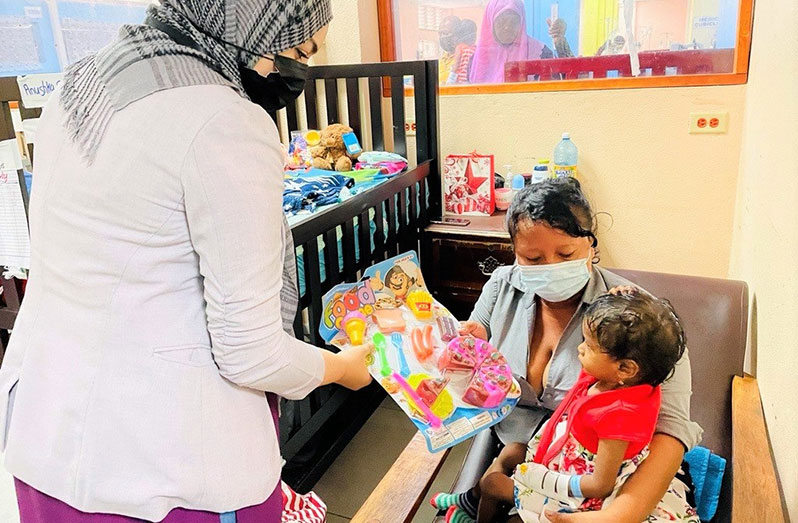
739,75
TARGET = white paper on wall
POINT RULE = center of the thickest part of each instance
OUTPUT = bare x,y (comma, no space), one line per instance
14,235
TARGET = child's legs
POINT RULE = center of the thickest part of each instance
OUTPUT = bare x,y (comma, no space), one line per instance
510,457
496,490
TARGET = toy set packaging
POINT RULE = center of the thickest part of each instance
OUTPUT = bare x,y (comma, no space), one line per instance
450,386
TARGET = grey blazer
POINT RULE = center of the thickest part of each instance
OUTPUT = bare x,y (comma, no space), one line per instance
508,313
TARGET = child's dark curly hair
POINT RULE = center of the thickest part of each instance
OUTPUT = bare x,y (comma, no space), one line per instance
635,325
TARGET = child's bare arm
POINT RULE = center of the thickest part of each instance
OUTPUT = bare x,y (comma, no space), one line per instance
609,457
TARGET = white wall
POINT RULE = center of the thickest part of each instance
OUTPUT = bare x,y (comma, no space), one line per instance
766,227
671,194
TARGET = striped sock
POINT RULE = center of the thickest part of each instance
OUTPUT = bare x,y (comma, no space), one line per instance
456,515
467,501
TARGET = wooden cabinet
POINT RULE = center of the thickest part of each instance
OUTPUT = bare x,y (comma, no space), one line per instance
457,261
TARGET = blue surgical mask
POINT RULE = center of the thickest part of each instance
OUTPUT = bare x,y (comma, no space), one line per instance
555,282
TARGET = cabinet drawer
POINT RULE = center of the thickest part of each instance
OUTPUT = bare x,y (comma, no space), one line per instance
467,264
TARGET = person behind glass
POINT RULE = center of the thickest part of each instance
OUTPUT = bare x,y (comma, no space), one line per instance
532,312
465,36
502,39
447,38
163,285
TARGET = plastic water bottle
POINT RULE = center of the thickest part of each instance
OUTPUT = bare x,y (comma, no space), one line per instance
565,157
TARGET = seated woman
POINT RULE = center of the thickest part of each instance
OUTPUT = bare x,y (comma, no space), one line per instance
535,317
600,433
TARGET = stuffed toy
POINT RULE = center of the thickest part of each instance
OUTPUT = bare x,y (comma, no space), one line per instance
330,153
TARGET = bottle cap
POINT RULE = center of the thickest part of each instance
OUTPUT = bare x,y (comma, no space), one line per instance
566,136
544,161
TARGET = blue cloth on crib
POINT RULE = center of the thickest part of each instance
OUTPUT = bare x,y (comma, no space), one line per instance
307,193
706,469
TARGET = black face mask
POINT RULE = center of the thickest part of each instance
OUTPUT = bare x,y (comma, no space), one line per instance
271,92
279,88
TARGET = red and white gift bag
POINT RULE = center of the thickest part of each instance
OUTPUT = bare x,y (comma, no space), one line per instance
298,508
468,184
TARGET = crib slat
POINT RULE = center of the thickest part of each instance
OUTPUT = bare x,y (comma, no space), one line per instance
299,329
364,229
414,214
353,103
379,233
332,268
331,88
398,111
422,194
313,290
420,95
348,247
403,221
291,117
375,107
311,115
392,243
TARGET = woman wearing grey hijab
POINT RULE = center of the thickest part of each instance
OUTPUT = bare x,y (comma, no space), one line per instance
162,279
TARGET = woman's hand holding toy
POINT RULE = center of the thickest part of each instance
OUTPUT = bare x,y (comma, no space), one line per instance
348,368
475,329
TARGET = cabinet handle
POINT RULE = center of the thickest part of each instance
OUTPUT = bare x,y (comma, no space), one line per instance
488,265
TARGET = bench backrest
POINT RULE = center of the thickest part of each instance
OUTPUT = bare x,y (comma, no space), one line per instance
714,313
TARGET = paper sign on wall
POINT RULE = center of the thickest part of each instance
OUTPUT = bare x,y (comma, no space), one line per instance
14,237
35,89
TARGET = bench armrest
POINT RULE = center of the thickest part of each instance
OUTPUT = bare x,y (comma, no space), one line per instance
756,492
398,496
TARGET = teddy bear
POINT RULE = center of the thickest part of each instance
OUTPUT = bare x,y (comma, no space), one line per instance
331,153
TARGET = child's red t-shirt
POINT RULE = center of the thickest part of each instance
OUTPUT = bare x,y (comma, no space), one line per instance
626,414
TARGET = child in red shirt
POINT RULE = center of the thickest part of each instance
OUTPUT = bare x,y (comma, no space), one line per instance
599,434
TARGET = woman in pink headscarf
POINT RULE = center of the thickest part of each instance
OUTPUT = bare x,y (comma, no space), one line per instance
503,39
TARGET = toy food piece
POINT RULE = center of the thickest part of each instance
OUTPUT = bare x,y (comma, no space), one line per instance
389,320
381,344
387,302
355,327
416,401
420,303
464,354
491,378
422,342
390,386
448,328
399,343
490,384
429,389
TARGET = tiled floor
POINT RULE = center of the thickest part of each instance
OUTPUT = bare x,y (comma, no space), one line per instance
352,477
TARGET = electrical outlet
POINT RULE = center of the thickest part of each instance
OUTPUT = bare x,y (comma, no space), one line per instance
709,123
410,127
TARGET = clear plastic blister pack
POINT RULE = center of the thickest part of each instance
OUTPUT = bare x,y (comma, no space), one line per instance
451,387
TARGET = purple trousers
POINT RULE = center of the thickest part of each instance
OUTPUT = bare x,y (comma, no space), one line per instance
36,507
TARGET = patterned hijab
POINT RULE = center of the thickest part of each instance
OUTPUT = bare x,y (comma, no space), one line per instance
144,60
